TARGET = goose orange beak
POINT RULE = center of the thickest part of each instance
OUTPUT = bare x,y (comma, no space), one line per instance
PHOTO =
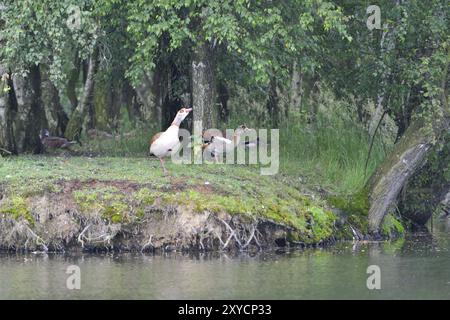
189,110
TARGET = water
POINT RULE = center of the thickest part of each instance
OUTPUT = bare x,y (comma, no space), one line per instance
417,267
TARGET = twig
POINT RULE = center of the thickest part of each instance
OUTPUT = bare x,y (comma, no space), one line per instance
38,239
250,238
6,151
82,234
232,231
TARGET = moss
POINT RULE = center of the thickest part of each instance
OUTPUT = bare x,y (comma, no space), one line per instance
145,196
117,212
18,208
356,206
140,213
391,227
111,204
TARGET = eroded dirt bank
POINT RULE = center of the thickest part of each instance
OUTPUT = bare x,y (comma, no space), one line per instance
79,203
126,216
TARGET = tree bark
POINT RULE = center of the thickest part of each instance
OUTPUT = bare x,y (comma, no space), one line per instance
29,117
295,98
223,96
71,86
5,109
273,103
75,124
56,116
148,92
203,89
387,182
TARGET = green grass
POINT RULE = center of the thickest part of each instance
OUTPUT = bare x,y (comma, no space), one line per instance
331,154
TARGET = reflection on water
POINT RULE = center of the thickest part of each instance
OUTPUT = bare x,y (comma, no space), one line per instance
415,267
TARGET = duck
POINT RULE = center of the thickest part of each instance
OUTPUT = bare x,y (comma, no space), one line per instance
163,143
54,142
216,144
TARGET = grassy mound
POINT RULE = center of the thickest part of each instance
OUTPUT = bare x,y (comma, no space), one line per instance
120,191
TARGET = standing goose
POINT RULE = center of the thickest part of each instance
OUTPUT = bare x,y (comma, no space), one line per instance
163,143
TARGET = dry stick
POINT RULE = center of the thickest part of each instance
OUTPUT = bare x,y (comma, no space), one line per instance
6,151
371,142
38,239
250,238
232,231
82,234
219,237
228,240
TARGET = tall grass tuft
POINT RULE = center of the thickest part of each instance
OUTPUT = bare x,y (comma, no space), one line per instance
331,152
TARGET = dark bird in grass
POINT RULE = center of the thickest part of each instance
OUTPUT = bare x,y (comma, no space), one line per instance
54,142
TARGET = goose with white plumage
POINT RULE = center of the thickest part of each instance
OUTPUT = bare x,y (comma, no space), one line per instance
163,143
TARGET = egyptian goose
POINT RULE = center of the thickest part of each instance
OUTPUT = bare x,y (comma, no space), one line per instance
54,142
217,144
163,143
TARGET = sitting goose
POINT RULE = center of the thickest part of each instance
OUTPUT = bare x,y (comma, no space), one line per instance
163,143
217,144
54,142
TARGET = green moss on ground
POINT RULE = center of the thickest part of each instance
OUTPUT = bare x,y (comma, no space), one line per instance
356,206
17,207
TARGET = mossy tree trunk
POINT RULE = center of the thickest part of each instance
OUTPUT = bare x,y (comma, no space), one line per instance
222,97
71,85
148,92
387,182
108,99
6,139
75,124
56,116
296,90
273,103
29,115
102,101
408,156
429,186
203,88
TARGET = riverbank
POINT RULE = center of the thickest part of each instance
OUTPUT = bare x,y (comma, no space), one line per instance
126,204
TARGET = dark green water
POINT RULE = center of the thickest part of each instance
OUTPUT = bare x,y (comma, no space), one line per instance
417,267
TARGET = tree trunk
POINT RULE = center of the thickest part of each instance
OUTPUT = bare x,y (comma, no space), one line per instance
223,96
75,125
56,116
408,155
5,109
272,103
387,182
71,86
429,186
148,92
29,117
386,46
295,97
203,89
